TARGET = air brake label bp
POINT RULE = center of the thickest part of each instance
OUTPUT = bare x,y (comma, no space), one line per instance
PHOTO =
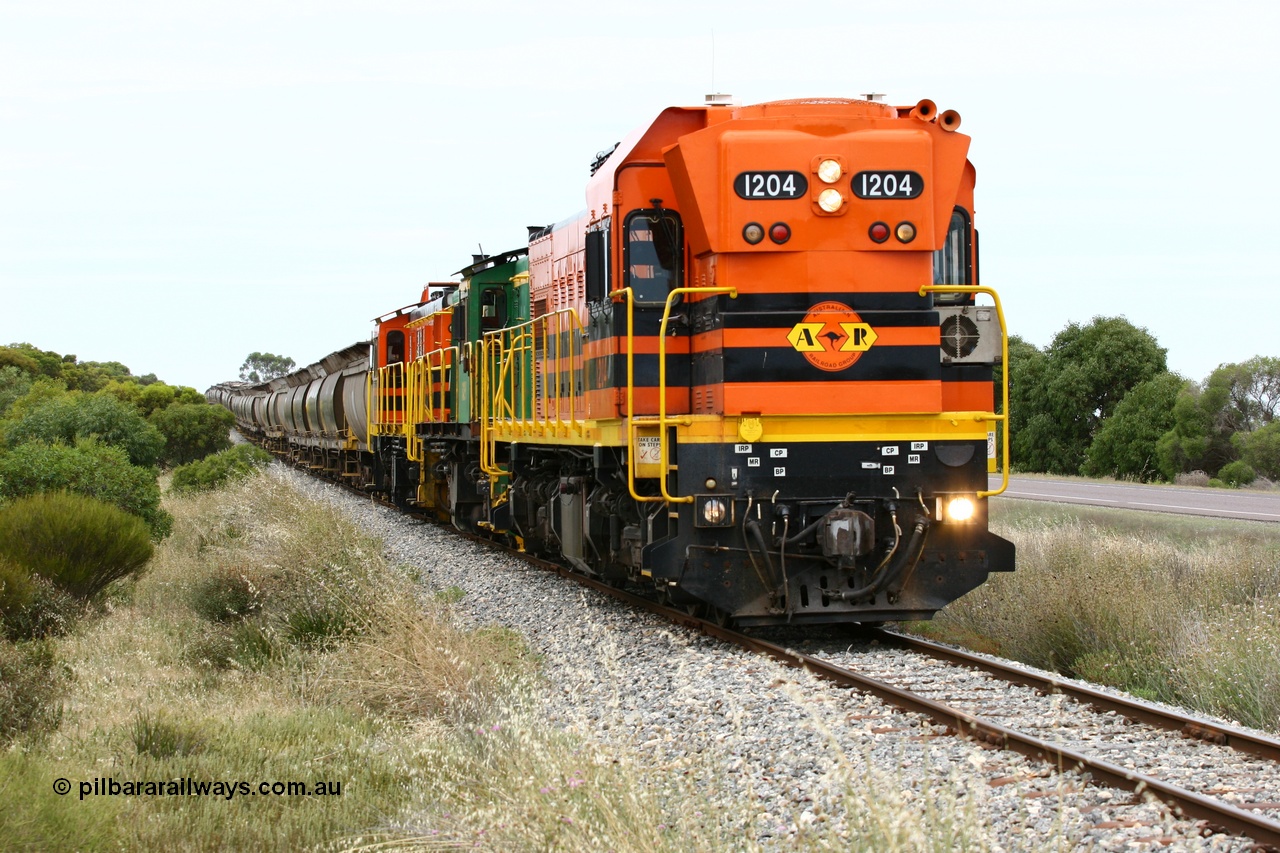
888,469
779,472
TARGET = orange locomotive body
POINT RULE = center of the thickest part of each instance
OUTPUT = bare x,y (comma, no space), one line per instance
754,373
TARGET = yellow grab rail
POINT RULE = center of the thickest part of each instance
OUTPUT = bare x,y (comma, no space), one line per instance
504,356
1003,416
662,420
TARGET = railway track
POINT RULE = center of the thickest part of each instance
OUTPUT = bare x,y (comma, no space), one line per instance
971,716
1258,821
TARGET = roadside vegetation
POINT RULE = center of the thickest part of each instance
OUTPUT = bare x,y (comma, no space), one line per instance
268,640
1178,609
1100,401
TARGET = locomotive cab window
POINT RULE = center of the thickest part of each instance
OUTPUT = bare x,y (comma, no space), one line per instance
598,264
653,254
493,309
953,262
395,347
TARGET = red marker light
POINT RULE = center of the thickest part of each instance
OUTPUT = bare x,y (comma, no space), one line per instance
779,232
879,232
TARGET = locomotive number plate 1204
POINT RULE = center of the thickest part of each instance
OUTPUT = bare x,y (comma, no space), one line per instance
751,185
887,185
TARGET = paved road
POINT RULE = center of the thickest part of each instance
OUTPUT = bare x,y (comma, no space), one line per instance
1222,503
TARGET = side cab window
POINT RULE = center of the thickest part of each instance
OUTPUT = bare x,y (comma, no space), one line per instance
395,347
598,264
653,253
953,263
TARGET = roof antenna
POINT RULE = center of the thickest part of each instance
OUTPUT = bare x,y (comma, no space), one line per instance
716,98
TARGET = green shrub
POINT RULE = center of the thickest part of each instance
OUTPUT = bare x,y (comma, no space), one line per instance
1237,474
16,588
30,684
220,468
192,431
89,468
80,544
14,383
67,418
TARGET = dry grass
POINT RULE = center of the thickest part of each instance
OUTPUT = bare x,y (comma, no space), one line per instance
1177,609
269,641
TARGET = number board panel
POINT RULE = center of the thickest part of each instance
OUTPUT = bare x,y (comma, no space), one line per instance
770,185
887,184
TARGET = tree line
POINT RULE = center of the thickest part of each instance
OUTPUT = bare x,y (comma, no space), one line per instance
95,429
1100,401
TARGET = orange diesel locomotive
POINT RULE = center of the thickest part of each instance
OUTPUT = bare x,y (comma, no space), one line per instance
753,373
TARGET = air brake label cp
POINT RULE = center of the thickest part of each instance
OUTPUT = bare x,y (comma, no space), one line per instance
831,336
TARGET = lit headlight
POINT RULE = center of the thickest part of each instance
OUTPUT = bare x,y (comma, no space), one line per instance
829,171
714,511
830,200
960,509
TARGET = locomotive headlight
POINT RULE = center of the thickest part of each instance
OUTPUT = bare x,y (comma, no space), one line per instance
830,200
829,171
960,509
714,511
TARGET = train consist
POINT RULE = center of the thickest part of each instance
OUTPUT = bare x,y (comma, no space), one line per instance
753,374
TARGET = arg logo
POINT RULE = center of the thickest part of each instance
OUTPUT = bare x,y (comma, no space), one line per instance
831,336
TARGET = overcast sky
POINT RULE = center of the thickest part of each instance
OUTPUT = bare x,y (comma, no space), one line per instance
182,183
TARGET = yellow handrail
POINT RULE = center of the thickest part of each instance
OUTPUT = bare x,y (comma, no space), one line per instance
629,294
487,452
662,420
1003,416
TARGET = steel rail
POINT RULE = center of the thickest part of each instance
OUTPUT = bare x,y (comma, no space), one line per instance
1198,728
1217,815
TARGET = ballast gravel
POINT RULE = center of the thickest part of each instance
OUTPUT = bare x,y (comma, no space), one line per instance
797,749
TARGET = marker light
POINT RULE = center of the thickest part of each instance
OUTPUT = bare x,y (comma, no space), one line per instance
714,511
906,232
753,233
878,232
829,171
959,509
830,200
779,232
